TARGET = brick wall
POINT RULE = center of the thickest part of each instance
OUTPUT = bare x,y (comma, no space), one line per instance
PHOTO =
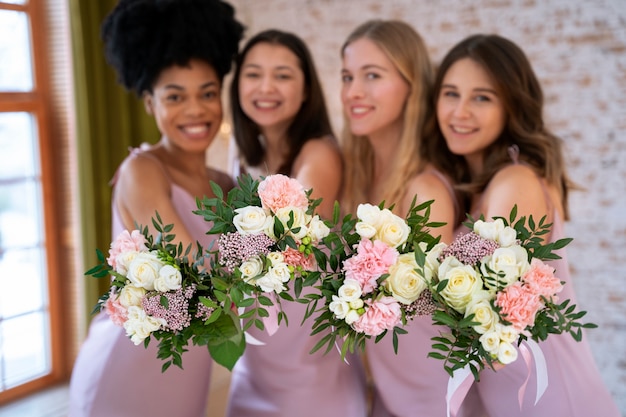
578,49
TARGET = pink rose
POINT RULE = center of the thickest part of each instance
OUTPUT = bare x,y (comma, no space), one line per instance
381,315
519,305
296,258
126,242
540,279
116,311
279,191
372,260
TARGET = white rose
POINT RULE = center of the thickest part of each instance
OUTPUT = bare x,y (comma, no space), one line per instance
131,295
139,325
276,258
251,220
463,282
339,307
490,342
483,312
352,316
350,290
432,259
279,272
489,230
144,270
356,304
169,279
404,282
507,237
300,220
123,260
318,229
392,230
507,333
251,268
365,230
506,353
368,214
511,262
269,283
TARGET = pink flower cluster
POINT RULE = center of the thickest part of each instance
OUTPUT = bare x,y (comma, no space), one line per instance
521,301
126,242
372,260
116,311
176,314
382,314
469,248
296,258
235,248
279,191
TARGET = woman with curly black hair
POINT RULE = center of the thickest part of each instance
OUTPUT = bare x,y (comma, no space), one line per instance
174,54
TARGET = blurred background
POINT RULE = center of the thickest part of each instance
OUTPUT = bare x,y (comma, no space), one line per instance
65,125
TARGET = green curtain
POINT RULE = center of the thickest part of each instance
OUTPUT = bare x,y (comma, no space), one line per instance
109,120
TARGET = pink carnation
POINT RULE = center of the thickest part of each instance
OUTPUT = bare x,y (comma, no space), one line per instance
116,311
381,315
296,258
372,260
126,242
519,305
540,279
279,191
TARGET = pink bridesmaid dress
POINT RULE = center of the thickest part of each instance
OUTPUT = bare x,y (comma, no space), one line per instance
114,378
575,386
281,378
409,384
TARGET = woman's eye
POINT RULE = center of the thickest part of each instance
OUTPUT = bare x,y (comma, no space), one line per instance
372,76
449,93
482,98
251,75
345,78
210,94
173,98
283,76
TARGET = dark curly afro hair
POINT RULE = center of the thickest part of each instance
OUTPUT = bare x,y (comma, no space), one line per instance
143,37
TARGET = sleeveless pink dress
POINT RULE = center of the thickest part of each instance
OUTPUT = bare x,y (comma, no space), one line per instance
114,378
575,386
282,379
409,384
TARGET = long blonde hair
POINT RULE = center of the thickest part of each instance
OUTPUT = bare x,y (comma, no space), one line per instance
406,50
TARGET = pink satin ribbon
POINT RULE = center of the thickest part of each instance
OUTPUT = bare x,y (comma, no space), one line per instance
461,381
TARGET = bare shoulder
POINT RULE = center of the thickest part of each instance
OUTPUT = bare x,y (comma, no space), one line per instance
515,185
515,178
320,149
142,171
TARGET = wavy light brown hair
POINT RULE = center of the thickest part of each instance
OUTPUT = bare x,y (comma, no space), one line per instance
521,95
406,50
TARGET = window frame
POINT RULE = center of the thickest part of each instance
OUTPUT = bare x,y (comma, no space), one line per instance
38,103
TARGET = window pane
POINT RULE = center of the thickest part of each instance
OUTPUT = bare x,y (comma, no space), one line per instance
20,215
15,52
22,289
24,341
19,156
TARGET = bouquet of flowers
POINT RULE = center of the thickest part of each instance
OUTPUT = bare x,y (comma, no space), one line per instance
163,292
373,285
269,230
493,290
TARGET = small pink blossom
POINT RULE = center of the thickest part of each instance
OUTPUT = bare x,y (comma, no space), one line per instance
126,242
540,279
372,260
296,258
381,315
519,305
116,311
279,191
